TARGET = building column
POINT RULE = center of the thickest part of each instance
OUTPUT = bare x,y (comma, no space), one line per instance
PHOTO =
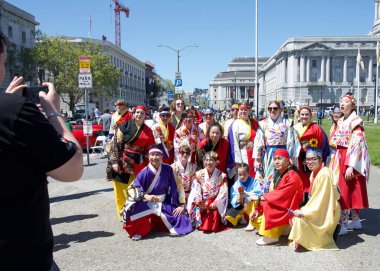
322,76
328,69
302,69
345,70
308,69
284,70
376,10
290,69
370,65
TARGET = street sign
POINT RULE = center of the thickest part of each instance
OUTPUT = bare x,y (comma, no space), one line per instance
85,80
178,82
178,90
178,75
84,64
87,128
170,95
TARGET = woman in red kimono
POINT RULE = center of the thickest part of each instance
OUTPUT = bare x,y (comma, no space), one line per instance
128,153
214,141
309,135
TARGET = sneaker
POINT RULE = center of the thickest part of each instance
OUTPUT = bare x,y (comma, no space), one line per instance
249,227
136,237
263,241
242,220
354,225
343,230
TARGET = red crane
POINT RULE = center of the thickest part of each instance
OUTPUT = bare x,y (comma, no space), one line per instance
119,8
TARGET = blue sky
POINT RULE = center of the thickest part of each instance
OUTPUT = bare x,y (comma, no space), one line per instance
223,29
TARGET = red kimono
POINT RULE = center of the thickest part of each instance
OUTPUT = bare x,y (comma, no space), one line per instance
159,131
286,196
313,134
221,148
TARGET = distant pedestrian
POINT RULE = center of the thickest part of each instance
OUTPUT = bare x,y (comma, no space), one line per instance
105,119
320,116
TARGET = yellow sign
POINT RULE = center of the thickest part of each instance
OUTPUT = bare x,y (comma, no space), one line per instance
84,64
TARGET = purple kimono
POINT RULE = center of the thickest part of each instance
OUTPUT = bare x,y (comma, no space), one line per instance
161,183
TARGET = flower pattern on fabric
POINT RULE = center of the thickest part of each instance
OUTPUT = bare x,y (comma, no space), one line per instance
313,143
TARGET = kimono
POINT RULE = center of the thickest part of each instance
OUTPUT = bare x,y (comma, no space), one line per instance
208,189
184,176
191,137
221,148
204,126
227,125
250,187
143,215
286,194
165,135
119,118
273,135
176,122
314,231
351,151
241,136
315,136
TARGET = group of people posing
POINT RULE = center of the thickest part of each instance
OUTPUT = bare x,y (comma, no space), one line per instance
278,176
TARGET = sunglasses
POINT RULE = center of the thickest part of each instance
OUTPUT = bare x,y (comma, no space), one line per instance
272,108
234,109
184,152
209,115
313,159
179,103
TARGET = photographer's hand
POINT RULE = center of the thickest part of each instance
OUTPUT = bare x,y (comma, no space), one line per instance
15,86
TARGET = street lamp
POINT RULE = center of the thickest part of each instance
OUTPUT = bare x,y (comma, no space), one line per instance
178,51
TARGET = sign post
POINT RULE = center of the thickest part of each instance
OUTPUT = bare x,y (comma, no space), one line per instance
85,81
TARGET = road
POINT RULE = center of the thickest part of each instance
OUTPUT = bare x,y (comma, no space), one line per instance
89,237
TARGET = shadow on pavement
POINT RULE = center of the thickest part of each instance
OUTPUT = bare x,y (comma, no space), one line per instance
62,241
72,218
79,195
370,223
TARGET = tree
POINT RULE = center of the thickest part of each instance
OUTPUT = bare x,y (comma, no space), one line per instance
57,61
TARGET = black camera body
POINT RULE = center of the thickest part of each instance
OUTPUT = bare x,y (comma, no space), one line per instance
32,93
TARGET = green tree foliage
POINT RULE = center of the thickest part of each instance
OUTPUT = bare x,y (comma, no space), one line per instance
57,61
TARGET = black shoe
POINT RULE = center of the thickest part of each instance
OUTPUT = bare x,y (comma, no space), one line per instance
336,232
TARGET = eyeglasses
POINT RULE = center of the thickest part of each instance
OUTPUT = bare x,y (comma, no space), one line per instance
209,115
272,108
188,118
179,104
184,153
165,115
313,159
234,109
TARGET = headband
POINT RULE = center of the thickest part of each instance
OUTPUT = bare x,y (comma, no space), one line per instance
306,107
353,100
155,150
141,108
164,112
282,152
246,107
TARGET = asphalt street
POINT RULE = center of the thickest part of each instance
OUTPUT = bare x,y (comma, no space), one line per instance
88,236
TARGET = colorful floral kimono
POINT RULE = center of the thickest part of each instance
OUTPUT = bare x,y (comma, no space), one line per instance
314,231
119,118
190,137
142,214
165,135
241,136
208,189
184,176
273,135
250,187
313,134
351,151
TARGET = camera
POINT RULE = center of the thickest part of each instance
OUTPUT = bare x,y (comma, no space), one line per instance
32,93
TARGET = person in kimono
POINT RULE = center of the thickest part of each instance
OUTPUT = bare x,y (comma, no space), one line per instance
163,133
350,163
274,133
188,133
160,208
209,116
177,107
234,115
120,116
215,142
241,136
208,198
314,224
184,173
128,154
241,196
277,205
310,134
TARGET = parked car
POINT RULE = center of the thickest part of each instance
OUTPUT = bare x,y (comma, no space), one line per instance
97,130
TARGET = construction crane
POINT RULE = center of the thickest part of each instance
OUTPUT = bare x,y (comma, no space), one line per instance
119,8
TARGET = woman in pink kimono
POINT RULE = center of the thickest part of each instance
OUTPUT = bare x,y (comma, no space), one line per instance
350,163
208,198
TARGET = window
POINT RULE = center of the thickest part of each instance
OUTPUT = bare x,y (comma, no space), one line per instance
314,63
23,37
10,32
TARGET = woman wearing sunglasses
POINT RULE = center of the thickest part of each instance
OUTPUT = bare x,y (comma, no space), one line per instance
177,107
274,133
233,116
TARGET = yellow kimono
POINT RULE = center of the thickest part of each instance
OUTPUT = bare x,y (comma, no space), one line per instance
314,231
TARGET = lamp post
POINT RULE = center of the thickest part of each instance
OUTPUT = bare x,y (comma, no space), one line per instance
178,51
256,60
